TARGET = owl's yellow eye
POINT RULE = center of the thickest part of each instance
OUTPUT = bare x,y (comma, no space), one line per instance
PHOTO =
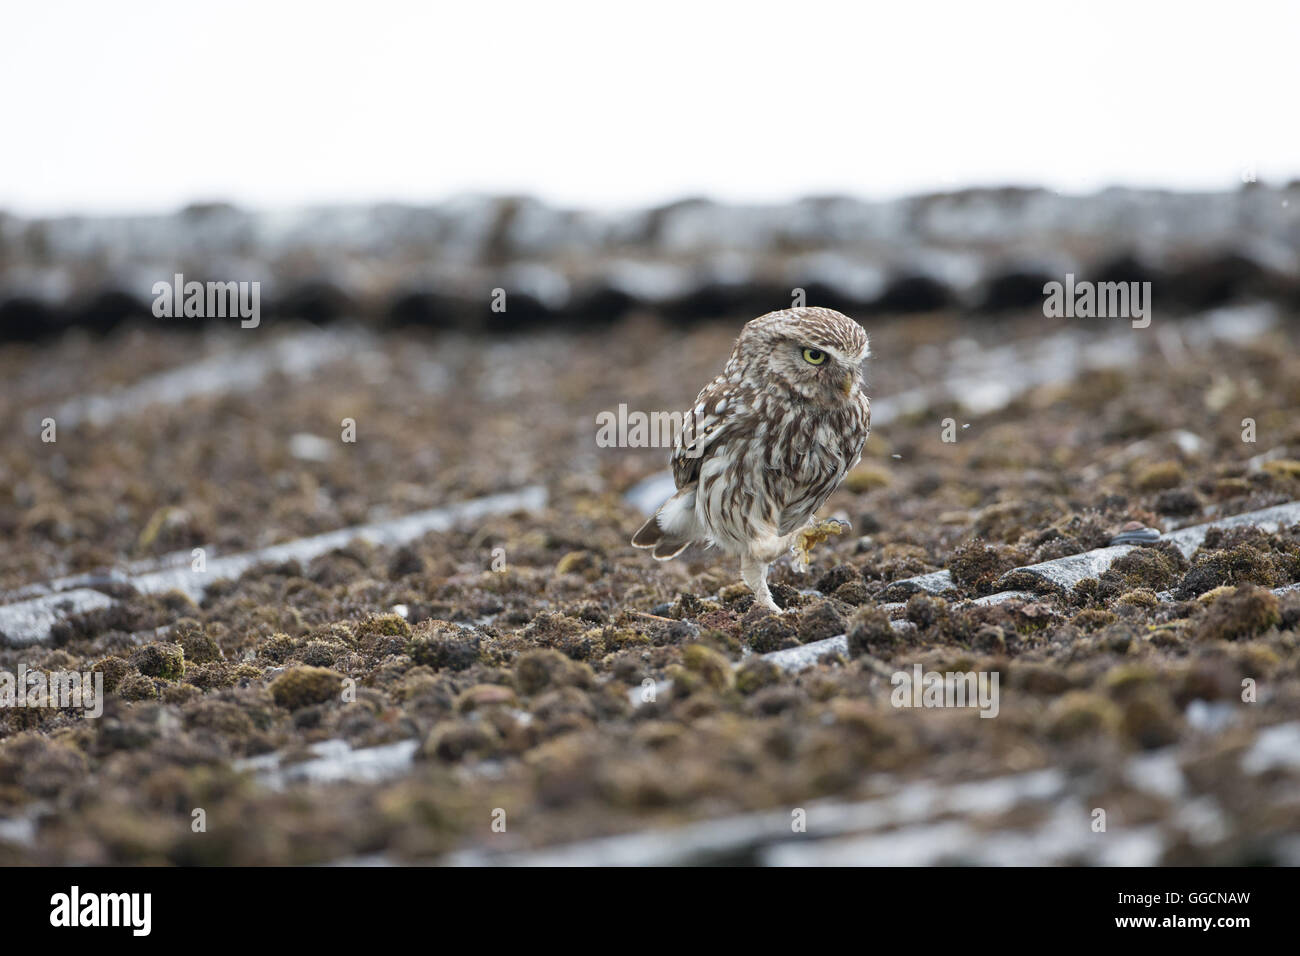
814,356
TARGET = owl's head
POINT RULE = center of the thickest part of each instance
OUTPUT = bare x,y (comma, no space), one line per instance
815,353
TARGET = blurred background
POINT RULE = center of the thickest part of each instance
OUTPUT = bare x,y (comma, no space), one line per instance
474,228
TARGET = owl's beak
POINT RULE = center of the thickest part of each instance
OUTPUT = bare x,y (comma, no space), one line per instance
846,385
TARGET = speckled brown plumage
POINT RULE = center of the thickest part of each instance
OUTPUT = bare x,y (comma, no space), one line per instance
767,441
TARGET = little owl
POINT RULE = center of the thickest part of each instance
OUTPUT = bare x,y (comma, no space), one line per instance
767,442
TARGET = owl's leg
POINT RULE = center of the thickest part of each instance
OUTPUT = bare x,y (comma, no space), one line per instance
754,573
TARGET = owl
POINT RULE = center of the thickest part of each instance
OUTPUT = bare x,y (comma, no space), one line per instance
767,442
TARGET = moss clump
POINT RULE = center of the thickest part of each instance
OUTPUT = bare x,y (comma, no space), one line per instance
454,740
736,596
245,672
867,477
441,645
989,638
1080,714
837,577
579,562
771,632
276,648
1155,568
1209,597
545,668
137,687
565,633
853,593
819,622
114,670
1125,679
870,631
383,625
321,653
1092,619
755,674
198,646
1138,597
482,696
1149,719
163,660
301,687
1160,476
1245,612
209,676
926,610
709,664
1178,501
975,565
1243,564
688,607
1282,468
1085,592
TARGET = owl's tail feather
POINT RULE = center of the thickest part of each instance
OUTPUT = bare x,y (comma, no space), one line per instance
669,530
649,535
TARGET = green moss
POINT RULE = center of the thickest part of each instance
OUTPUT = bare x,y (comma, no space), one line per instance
454,740
1150,720
321,653
1154,568
1123,679
755,674
1092,619
163,660
1209,597
137,687
485,695
1139,597
1085,592
866,477
819,622
975,565
1242,564
926,610
579,562
114,670
735,596
853,592
1244,613
1158,477
870,631
300,687
710,665
383,625
276,648
439,644
1080,715
772,632
209,676
545,668
199,648
1282,468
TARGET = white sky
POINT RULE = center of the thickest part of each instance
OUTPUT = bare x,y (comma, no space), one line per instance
139,106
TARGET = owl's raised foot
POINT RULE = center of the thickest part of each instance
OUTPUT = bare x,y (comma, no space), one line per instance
813,535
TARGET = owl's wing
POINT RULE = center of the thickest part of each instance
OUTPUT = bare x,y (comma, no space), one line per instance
702,427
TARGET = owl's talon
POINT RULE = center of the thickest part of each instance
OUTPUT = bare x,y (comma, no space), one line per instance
812,536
